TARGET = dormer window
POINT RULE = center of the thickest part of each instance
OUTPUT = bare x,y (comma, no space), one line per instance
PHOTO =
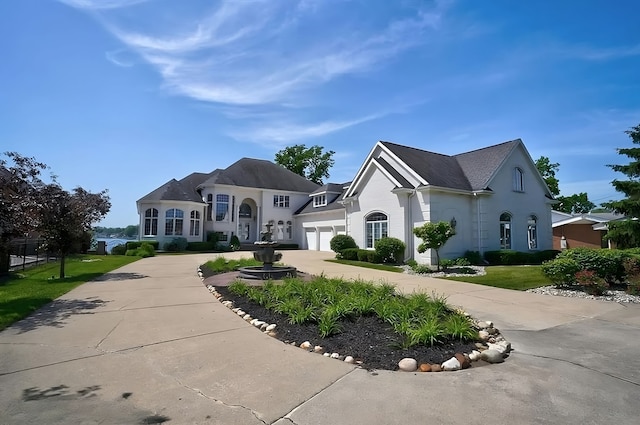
319,200
518,180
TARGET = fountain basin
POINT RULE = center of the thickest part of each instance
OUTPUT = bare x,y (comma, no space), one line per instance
264,273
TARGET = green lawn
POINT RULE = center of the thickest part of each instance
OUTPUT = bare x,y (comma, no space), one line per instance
367,265
23,292
509,277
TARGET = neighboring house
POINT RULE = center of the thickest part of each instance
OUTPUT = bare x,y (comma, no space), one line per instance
581,230
494,197
238,200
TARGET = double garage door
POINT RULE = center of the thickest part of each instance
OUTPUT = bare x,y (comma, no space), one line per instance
320,239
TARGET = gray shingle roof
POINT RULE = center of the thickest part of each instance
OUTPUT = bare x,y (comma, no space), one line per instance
481,164
466,171
173,190
262,174
329,188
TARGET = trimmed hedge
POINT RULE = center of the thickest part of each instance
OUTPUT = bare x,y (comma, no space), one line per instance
350,254
506,257
390,250
138,244
119,250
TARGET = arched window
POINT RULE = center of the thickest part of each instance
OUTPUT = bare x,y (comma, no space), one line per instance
289,230
194,224
505,231
376,228
151,222
173,222
518,180
222,207
244,211
532,232
280,230
209,206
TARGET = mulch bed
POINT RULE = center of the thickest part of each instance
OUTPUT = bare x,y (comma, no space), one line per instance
366,338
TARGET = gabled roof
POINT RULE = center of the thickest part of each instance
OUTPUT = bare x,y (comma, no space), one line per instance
261,174
437,169
175,190
468,171
563,219
480,165
335,193
328,188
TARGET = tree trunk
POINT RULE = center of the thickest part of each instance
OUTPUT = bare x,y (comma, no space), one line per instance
5,260
62,266
438,259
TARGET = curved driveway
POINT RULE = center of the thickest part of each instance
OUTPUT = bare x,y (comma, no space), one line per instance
147,343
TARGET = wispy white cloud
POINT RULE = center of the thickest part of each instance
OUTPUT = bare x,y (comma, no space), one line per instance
101,4
118,57
279,134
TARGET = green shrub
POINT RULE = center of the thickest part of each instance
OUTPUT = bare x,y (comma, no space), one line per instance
446,264
390,250
474,257
608,264
234,243
350,254
462,262
131,252
213,237
561,271
421,268
201,246
339,243
632,270
507,257
374,257
119,250
591,282
363,255
176,245
137,244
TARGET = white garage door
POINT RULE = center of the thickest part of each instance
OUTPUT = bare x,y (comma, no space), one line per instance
325,239
311,239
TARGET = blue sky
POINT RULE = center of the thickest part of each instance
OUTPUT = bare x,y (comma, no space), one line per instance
126,94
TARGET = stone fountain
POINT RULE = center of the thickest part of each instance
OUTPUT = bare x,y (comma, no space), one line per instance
265,252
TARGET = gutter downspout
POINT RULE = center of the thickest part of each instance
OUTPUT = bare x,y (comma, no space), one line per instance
410,239
475,194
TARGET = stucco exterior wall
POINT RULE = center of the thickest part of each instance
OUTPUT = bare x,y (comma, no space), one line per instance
521,205
375,196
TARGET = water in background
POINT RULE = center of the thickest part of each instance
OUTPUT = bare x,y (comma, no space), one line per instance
111,242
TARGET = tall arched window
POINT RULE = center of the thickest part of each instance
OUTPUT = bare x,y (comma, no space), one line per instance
280,230
518,180
532,232
505,231
376,228
173,222
289,230
209,206
194,223
151,222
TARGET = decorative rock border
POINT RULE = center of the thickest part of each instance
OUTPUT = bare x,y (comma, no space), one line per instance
493,348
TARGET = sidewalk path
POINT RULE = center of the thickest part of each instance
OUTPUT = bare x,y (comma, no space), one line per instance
147,343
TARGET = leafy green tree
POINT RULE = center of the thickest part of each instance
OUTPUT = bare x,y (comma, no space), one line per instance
20,179
434,236
578,203
131,231
626,233
548,172
311,163
64,218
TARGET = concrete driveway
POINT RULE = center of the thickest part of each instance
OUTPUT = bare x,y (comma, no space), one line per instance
148,344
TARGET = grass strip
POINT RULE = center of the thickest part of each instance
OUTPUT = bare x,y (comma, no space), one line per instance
23,292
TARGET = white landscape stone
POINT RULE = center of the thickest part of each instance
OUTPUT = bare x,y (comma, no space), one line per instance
270,327
241,313
484,335
408,364
305,345
451,364
349,359
335,355
247,317
327,355
492,356
318,349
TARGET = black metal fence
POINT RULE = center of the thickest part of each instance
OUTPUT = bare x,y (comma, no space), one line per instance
27,253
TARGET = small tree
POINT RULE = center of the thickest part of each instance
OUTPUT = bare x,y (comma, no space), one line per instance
66,217
434,236
310,163
626,233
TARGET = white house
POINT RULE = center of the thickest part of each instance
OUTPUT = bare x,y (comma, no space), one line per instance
495,198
